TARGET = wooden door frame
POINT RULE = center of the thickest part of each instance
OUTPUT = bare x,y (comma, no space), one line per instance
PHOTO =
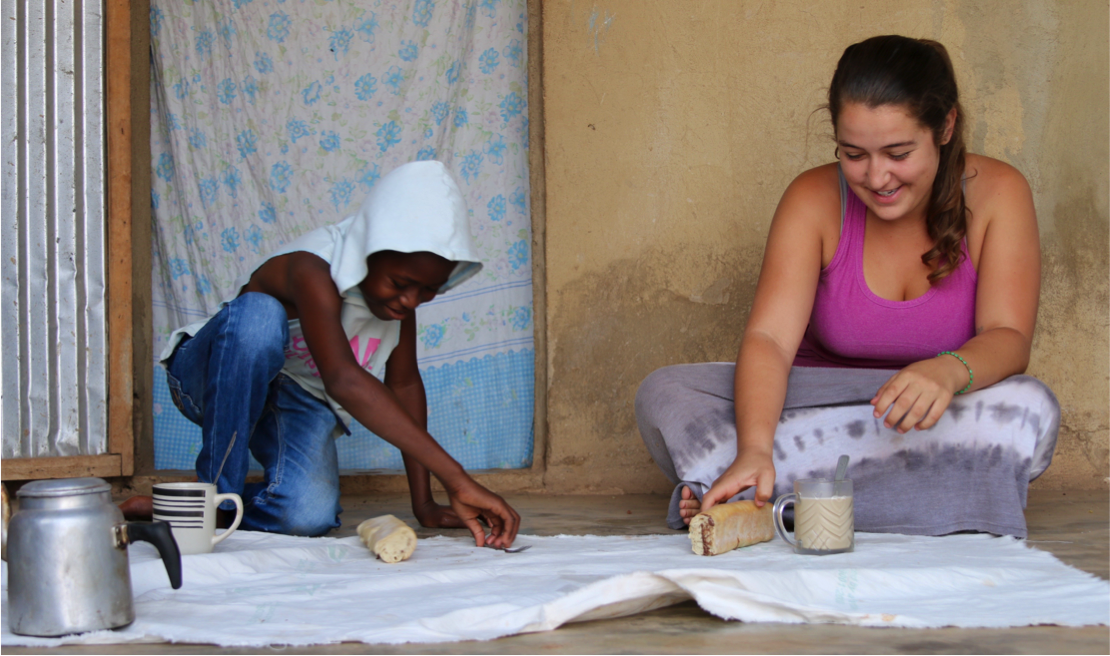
120,459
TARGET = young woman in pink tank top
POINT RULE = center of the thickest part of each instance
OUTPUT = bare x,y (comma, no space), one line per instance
907,255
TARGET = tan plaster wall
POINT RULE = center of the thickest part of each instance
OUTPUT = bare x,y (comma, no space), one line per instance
672,128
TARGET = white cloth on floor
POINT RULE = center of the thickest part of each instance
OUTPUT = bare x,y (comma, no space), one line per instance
261,589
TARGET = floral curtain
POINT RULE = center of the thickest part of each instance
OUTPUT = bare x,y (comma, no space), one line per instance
273,117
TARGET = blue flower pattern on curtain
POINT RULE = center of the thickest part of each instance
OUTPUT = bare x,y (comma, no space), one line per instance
273,117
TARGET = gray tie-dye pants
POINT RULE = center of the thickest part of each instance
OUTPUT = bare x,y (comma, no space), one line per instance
969,472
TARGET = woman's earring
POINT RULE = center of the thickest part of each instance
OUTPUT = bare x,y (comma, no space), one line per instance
836,152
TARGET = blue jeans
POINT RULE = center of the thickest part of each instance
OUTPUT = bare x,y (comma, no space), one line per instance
227,379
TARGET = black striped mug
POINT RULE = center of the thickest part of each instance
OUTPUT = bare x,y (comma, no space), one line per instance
190,510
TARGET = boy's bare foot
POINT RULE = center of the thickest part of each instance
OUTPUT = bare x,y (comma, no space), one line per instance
433,515
141,509
689,506
138,508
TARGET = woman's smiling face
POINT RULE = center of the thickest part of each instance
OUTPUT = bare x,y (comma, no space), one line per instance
888,158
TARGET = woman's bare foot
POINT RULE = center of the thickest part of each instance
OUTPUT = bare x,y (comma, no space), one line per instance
7,516
689,506
138,508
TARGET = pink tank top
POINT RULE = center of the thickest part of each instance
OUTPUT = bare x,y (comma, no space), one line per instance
850,326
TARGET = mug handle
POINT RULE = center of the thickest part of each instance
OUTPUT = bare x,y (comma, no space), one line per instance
780,505
238,501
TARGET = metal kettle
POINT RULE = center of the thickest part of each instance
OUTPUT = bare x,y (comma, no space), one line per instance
68,569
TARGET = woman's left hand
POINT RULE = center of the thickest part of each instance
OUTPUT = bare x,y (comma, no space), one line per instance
918,395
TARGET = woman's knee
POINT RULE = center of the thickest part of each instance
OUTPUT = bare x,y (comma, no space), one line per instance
1040,391
685,388
1042,404
1029,393
661,388
1029,404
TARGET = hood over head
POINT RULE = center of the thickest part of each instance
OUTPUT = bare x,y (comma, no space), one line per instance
415,207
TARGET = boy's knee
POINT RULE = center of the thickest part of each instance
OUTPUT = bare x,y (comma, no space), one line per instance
311,514
260,325
311,526
264,312
308,510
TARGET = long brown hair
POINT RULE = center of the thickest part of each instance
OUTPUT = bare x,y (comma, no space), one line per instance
917,75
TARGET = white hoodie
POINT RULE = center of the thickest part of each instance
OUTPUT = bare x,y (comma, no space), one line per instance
415,207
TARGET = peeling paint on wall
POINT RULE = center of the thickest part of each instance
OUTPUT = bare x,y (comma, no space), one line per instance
598,26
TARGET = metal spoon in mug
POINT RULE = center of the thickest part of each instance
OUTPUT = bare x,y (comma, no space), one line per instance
226,454
841,468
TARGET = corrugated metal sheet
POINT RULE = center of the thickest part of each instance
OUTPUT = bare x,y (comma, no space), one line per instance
52,317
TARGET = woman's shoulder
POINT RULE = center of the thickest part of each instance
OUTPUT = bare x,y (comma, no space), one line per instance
824,180
997,195
990,182
810,207
815,192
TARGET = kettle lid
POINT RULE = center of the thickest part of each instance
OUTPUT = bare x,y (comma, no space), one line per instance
63,487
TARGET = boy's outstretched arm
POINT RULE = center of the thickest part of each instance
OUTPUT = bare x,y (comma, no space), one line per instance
302,283
402,375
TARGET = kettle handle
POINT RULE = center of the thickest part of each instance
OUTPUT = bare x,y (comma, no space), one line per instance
159,534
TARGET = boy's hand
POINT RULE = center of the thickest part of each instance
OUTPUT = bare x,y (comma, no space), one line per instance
474,504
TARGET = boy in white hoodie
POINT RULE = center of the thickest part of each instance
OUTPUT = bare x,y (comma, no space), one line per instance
324,330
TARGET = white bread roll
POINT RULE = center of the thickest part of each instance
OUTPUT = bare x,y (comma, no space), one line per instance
388,537
730,525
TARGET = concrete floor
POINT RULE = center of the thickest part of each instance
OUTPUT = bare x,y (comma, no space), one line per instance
1075,526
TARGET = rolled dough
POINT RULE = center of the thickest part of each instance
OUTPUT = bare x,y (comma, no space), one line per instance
730,525
388,537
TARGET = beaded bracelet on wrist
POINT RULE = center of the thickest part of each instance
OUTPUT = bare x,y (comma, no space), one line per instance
970,374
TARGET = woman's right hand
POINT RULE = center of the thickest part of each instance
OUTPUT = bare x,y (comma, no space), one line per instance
750,468
471,501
